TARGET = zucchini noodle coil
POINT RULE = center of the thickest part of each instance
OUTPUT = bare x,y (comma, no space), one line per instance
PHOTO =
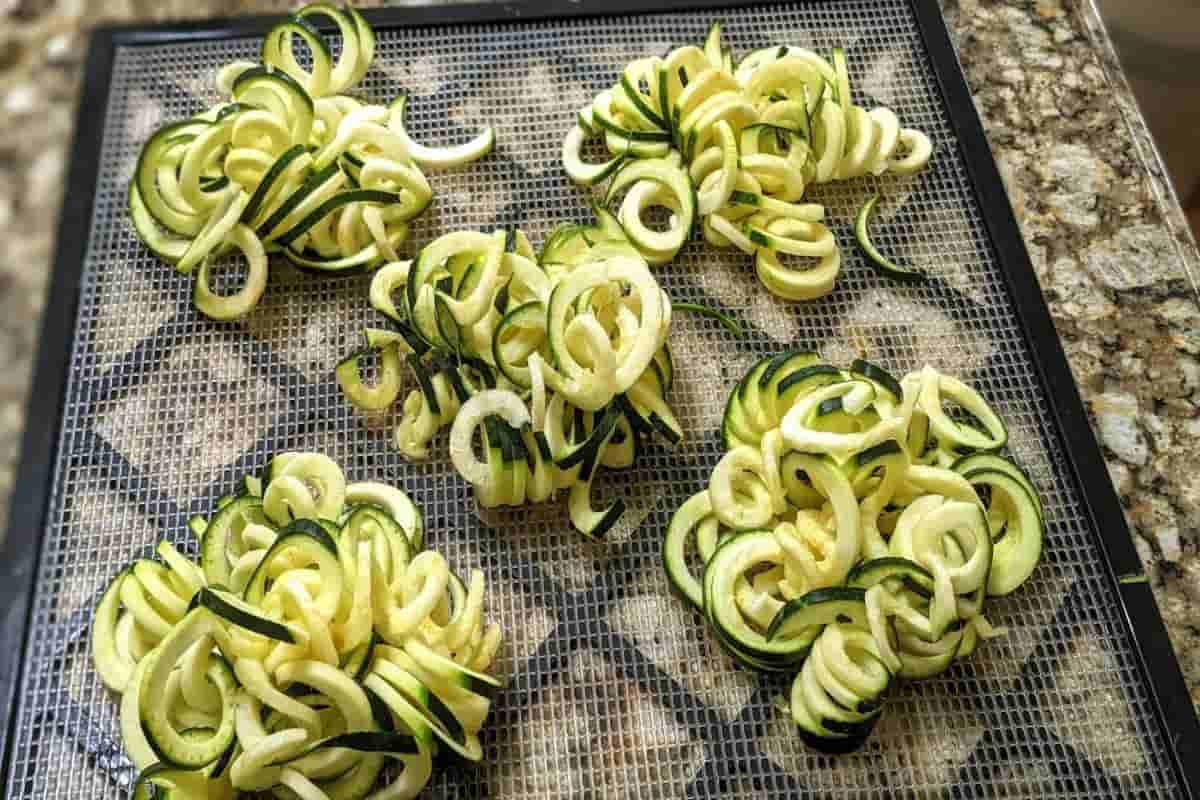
732,148
557,360
313,643
853,532
287,163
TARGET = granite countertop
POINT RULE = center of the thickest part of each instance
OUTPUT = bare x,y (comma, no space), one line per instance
1111,247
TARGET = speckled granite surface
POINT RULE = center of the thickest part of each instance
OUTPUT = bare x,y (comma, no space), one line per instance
1109,242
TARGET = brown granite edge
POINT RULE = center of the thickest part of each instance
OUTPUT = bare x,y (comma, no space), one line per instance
1148,152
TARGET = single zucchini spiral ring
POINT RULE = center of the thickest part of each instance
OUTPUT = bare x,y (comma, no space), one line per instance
837,697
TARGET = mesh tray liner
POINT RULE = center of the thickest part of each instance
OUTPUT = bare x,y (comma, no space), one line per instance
616,690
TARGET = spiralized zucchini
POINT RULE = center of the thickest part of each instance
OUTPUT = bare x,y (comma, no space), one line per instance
558,360
313,642
734,149
853,531
287,163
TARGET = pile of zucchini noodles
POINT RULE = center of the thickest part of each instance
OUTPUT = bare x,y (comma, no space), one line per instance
694,134
853,531
561,359
313,641
289,163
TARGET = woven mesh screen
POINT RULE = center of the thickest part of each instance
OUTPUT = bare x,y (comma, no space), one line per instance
616,690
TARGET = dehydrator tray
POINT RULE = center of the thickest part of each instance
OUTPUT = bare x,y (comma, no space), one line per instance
144,413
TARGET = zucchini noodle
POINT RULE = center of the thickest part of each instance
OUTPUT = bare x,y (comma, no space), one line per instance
321,587
287,163
732,149
852,532
548,366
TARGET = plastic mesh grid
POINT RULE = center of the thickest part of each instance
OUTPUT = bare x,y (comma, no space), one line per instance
616,689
